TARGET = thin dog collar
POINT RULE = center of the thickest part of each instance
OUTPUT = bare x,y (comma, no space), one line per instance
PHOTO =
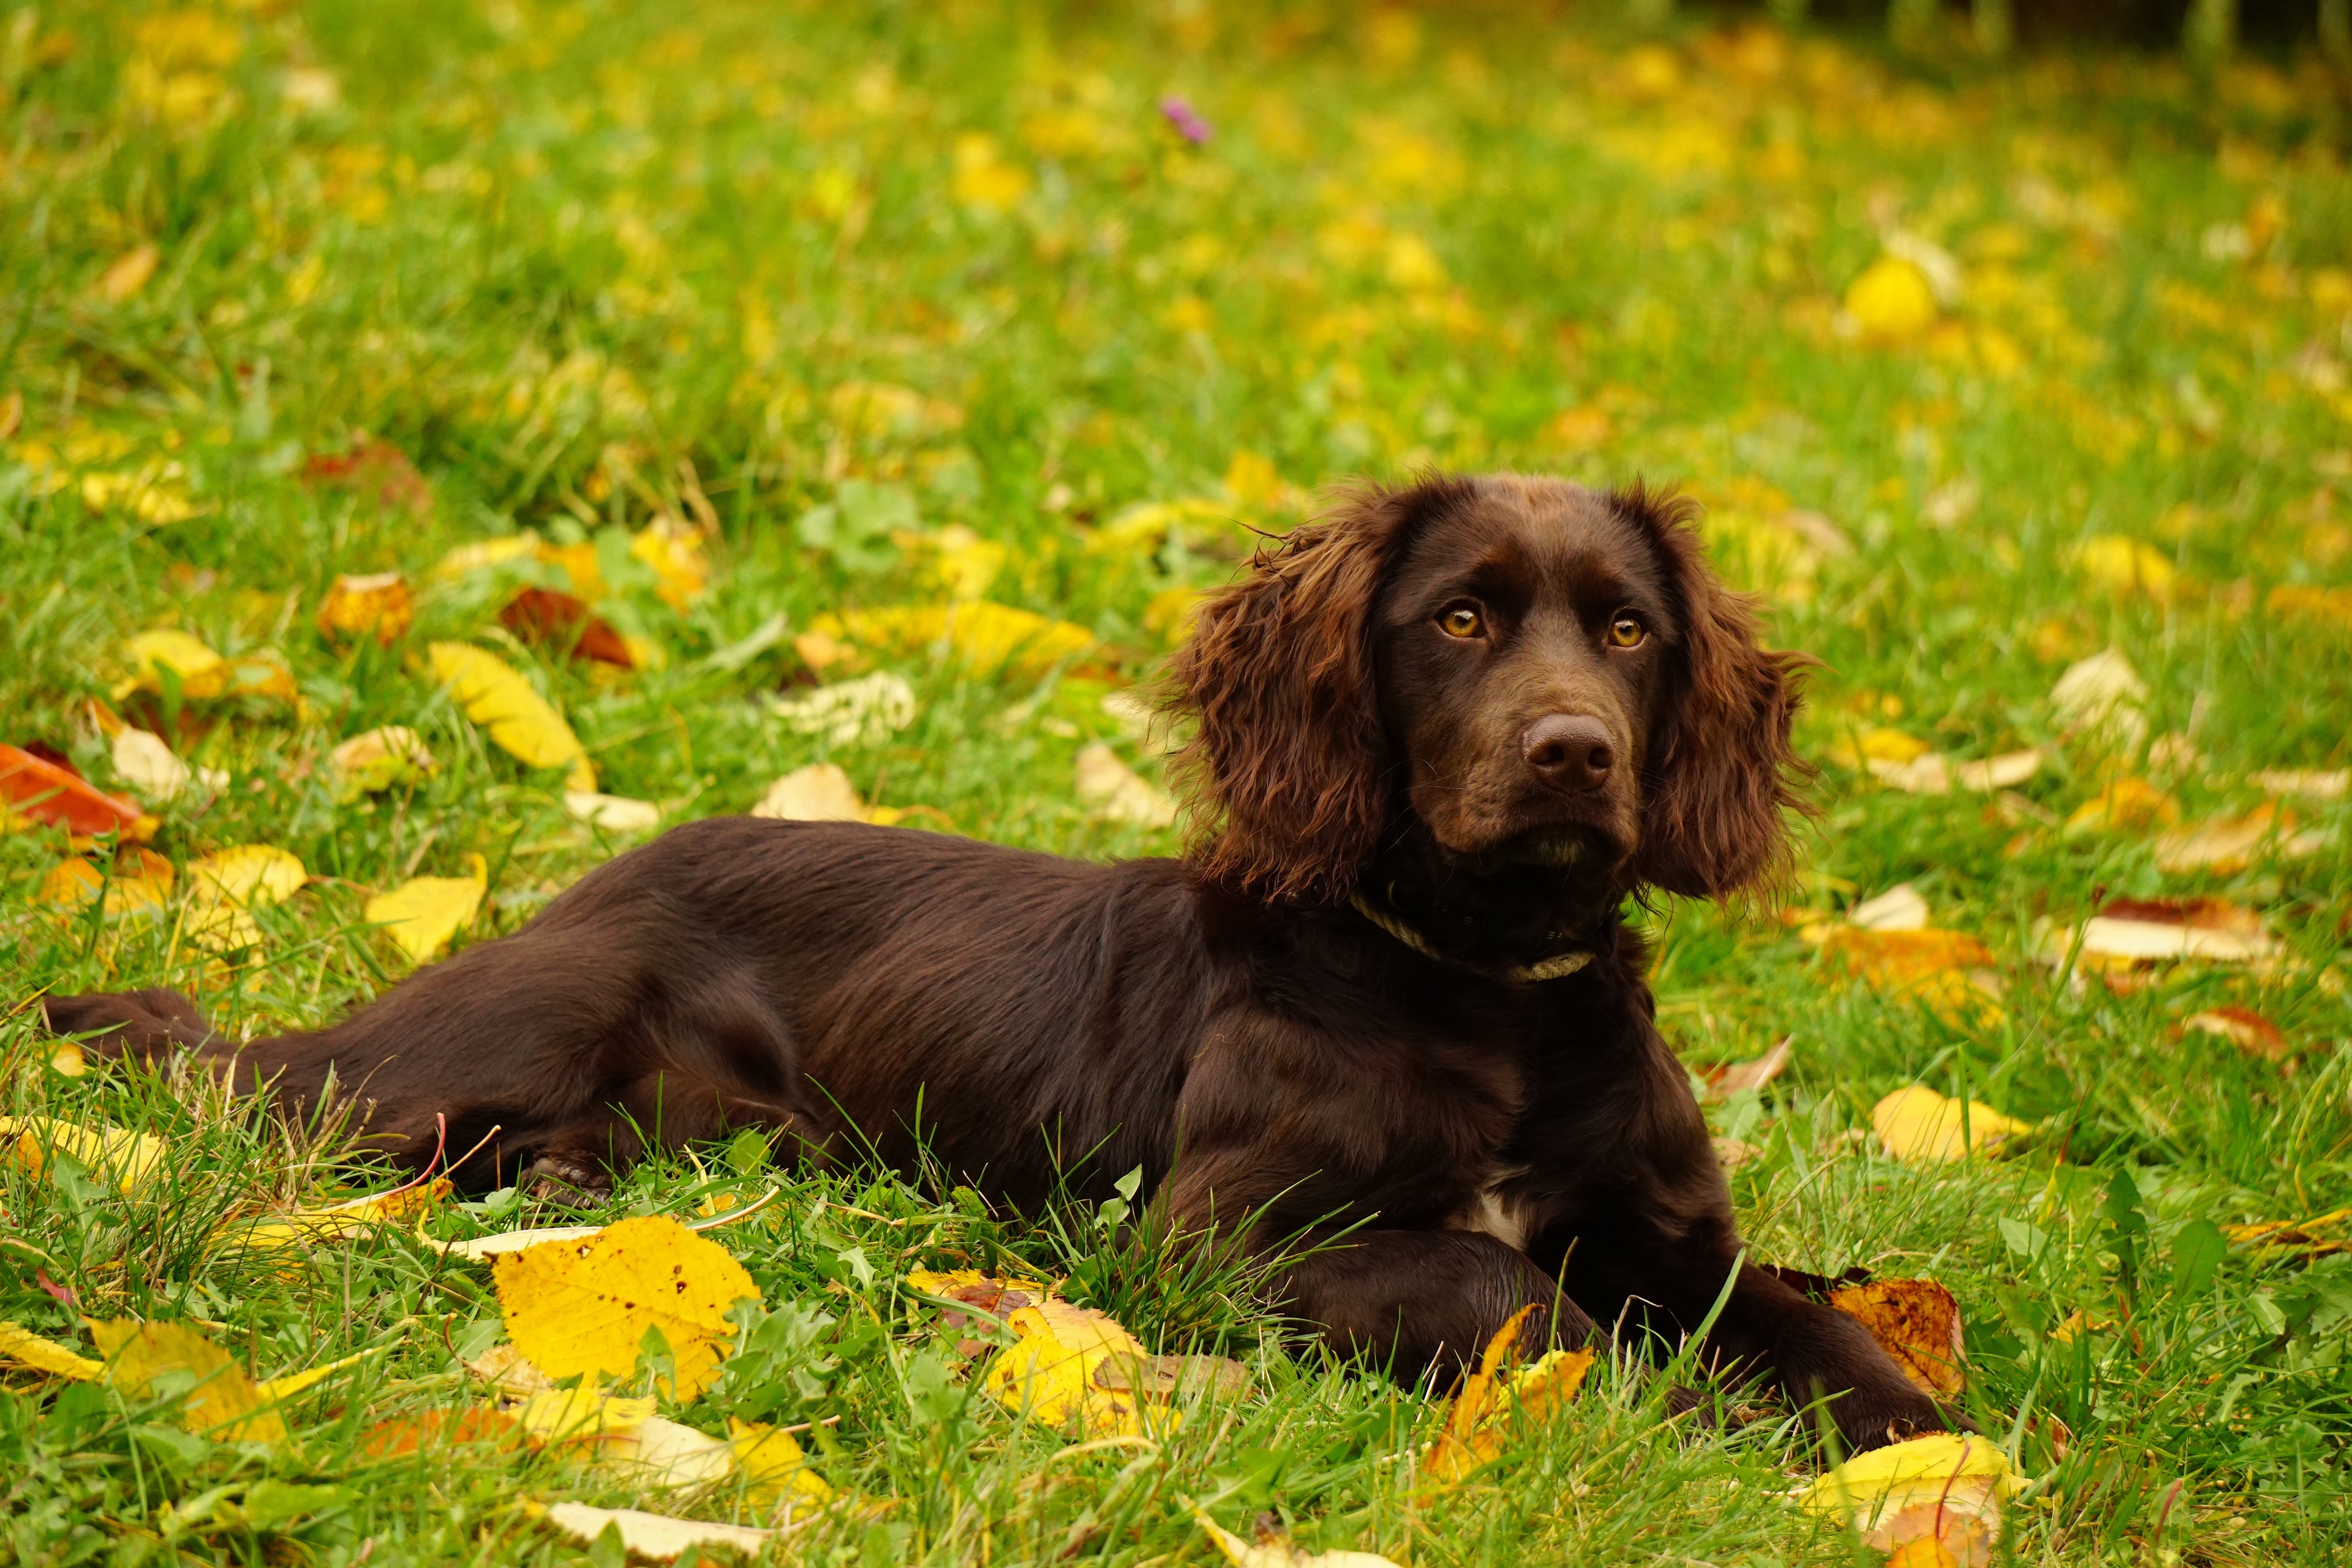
1553,968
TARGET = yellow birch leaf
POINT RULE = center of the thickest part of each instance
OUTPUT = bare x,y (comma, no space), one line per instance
482,555
221,1401
521,721
656,1537
585,1306
988,637
337,1222
662,1453
483,1248
1947,1489
774,1467
1917,1124
379,605
228,884
27,1348
423,913
1479,1426
130,1160
200,671
282,1388
1049,1374
673,550
582,1415
67,1060
377,759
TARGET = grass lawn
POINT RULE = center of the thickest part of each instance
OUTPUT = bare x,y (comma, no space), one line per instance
765,321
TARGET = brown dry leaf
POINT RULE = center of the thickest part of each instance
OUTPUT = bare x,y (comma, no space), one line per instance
423,913
2243,1027
1917,1124
1171,1376
1917,1322
1731,1078
224,1402
128,1160
583,1307
374,469
25,1348
546,618
822,792
519,720
1117,792
1947,1489
1493,1407
656,1537
379,605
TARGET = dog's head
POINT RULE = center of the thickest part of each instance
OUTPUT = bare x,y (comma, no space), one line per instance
1530,673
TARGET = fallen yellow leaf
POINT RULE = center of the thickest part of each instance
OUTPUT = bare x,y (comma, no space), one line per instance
482,1249
585,1306
1050,1373
142,880
377,759
821,792
379,605
337,1222
1892,302
222,1403
423,913
128,273
989,638
656,1537
2125,566
2128,803
581,1414
1279,1552
519,720
200,671
673,550
1947,1488
2225,844
226,885
27,1348
1915,1321
128,1160
1947,972
1917,1124
1493,1408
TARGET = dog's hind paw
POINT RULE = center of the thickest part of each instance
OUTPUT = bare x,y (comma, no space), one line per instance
569,1180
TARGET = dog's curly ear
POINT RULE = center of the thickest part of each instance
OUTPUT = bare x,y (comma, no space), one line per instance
1722,771
1284,766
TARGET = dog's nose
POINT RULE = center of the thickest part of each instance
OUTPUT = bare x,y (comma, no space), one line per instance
1571,752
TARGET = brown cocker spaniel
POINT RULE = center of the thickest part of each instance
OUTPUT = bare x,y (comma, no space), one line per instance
1439,739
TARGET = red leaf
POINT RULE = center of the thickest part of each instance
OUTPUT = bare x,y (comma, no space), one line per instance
548,618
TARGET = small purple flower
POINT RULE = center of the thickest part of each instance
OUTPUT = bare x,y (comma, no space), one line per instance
1187,120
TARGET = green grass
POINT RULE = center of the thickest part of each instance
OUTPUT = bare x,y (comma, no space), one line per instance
585,264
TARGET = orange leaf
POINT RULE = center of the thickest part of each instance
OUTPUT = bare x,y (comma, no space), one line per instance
436,1430
45,792
1917,1322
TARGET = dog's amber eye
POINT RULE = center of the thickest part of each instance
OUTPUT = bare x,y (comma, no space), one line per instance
1462,621
1626,632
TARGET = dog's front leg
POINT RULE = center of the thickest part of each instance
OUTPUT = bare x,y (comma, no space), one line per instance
1415,1299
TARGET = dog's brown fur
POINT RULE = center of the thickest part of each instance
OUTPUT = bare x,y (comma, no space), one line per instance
1321,1018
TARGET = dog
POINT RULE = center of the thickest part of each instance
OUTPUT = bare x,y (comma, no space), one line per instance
1439,738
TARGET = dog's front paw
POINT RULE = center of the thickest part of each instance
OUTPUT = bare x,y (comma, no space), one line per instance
569,1180
1873,1418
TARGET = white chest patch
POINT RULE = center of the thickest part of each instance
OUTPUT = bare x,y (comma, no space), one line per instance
1494,1214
